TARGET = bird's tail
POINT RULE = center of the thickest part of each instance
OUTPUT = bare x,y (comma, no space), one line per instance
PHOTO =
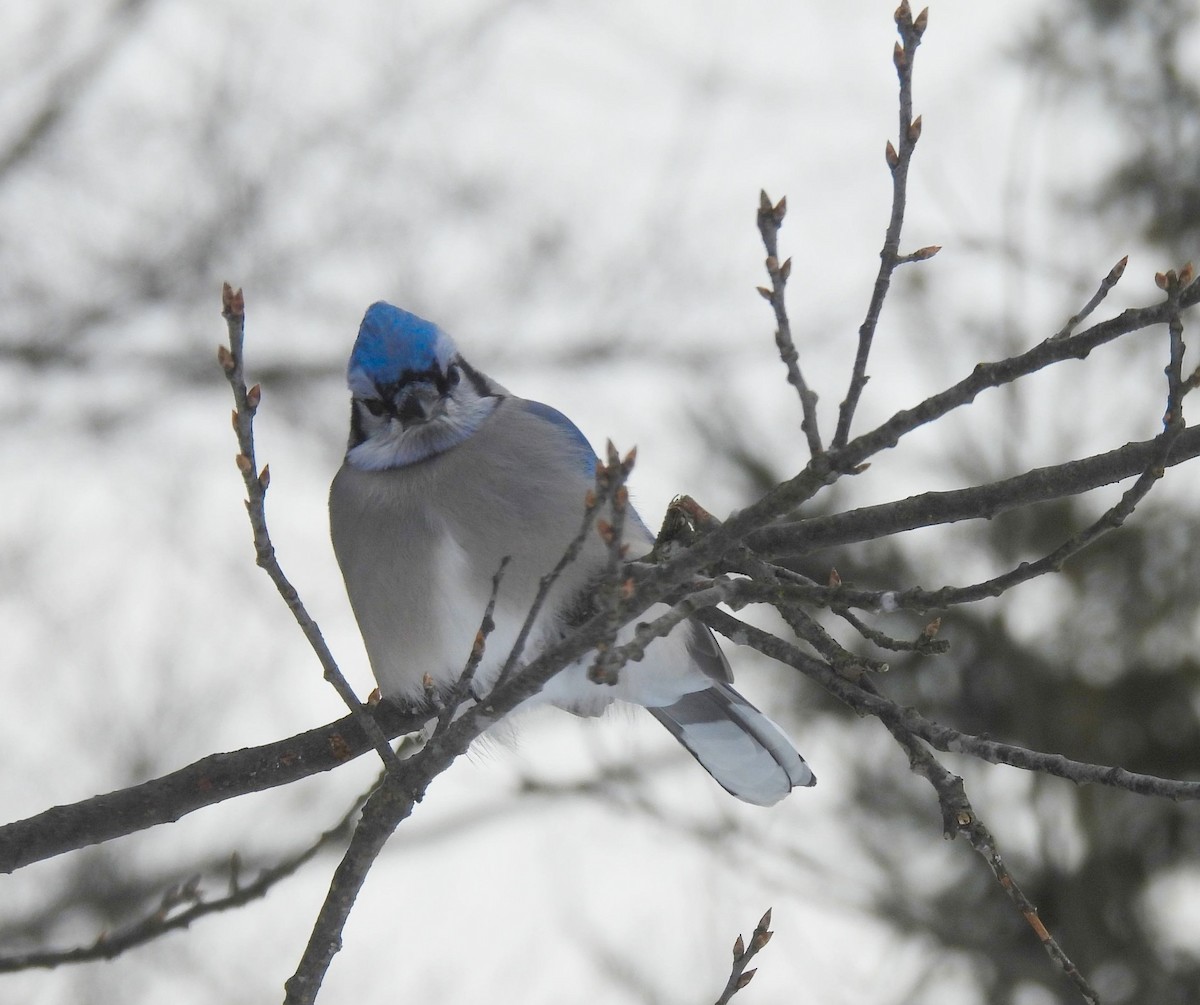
748,755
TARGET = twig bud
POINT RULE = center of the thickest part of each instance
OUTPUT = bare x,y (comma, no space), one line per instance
764,922
889,153
785,270
930,631
739,948
1161,279
264,477
922,254
903,13
243,463
914,129
764,292
254,396
746,978
899,57
760,939
225,358
232,301
921,22
1187,274
834,579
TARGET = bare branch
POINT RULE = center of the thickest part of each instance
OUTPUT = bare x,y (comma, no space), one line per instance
167,917
591,504
233,309
387,806
866,702
889,257
739,976
929,509
770,219
1109,281
611,476
960,817
209,780
462,688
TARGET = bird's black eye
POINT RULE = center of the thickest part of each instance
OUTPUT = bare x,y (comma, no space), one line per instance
374,406
453,374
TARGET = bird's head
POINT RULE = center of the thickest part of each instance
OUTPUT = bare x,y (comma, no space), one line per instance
413,395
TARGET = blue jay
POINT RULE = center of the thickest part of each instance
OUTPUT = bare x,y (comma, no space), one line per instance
446,474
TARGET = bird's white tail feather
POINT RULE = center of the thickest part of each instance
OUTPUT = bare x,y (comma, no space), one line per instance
748,755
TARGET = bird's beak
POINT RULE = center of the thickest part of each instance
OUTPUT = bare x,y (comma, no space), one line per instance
418,404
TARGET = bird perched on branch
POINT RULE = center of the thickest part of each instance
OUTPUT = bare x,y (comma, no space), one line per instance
446,475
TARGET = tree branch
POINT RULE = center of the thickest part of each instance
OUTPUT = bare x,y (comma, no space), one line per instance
960,817
209,780
739,976
167,917
928,509
889,257
865,702
770,219
233,309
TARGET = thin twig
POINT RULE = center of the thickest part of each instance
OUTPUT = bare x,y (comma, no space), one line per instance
1110,520
591,503
889,257
1175,284
1106,284
462,688
944,738
246,401
747,524
959,817
739,976
700,596
770,219
167,918
607,664
927,643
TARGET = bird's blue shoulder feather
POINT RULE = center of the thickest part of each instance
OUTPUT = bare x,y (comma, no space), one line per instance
587,456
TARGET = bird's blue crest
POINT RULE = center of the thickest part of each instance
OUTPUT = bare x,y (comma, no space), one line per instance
391,341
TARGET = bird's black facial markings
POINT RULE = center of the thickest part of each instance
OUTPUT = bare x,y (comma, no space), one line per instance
476,379
389,399
357,433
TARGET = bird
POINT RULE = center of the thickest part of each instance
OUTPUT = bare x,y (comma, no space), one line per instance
447,475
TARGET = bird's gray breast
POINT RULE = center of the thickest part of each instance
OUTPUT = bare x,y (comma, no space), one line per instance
419,545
